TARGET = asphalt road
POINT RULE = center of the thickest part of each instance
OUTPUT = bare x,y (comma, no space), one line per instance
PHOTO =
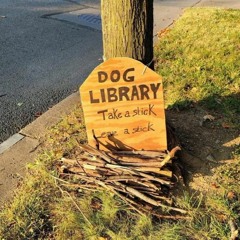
41,60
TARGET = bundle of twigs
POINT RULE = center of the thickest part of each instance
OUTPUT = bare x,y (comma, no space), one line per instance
140,178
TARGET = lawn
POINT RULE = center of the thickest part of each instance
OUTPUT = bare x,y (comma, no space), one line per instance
199,59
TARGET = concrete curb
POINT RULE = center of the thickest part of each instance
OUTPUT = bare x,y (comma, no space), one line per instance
10,142
38,127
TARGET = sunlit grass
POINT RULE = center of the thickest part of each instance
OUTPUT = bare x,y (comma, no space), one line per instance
199,59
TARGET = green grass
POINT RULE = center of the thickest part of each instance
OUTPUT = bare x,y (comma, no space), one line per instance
28,216
199,60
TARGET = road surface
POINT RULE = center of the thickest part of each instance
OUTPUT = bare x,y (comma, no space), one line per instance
42,60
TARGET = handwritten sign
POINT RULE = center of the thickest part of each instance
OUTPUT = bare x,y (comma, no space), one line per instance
123,106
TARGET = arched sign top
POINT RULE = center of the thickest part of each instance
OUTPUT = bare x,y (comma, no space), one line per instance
123,106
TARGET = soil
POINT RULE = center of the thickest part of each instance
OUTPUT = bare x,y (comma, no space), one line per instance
206,144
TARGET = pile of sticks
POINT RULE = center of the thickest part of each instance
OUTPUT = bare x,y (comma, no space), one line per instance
140,178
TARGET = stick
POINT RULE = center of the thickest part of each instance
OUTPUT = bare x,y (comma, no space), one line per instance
175,217
153,169
96,152
93,166
151,201
141,163
234,230
79,209
170,155
140,154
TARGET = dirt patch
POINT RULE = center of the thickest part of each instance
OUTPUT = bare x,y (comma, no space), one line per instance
207,144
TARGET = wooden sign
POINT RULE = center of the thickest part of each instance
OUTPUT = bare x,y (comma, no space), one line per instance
123,106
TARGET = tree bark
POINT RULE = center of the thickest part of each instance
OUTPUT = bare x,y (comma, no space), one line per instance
127,27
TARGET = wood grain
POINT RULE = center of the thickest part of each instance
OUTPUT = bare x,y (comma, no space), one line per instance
123,106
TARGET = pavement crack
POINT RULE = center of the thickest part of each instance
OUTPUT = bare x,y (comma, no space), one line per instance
35,148
195,4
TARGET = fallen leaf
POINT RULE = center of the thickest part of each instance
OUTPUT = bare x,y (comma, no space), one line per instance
214,185
20,104
163,32
72,120
208,117
96,203
231,195
226,125
221,217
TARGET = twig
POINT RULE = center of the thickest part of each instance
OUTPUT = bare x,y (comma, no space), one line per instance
234,230
147,65
79,209
97,153
140,154
125,199
150,200
95,138
59,179
174,217
170,155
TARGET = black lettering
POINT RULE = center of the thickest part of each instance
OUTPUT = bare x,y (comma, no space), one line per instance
144,89
92,100
116,77
155,88
107,134
144,129
135,112
123,92
150,127
134,93
112,97
150,109
129,78
127,114
102,76
145,112
103,97
103,113
116,115
135,130
126,131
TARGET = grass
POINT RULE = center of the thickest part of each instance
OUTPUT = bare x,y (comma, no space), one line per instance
199,59
200,64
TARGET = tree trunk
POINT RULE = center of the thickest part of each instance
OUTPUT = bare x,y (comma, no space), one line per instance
127,27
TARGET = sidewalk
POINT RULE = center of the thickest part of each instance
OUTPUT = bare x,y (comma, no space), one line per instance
234,4
22,148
